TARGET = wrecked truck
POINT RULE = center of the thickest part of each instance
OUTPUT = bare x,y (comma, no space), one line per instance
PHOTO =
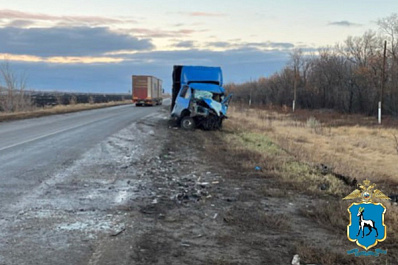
198,98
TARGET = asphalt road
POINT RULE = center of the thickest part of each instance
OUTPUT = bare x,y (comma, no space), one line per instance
32,150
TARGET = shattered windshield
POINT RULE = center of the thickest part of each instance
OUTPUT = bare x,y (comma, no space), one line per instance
200,94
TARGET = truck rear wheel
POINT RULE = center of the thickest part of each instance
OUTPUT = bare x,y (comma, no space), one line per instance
188,123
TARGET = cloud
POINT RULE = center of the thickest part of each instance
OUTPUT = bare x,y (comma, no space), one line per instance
20,23
61,59
61,41
344,23
271,45
85,20
185,44
159,33
262,45
219,44
238,65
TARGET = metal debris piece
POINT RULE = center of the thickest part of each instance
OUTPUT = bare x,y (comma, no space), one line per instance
119,231
296,260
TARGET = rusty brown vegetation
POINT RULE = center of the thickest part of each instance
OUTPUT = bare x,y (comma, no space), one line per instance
350,146
316,154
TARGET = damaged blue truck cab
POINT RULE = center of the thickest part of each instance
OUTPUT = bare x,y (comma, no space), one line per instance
198,98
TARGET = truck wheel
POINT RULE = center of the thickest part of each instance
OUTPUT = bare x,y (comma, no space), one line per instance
188,123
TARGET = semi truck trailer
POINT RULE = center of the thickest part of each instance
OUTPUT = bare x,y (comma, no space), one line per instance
147,90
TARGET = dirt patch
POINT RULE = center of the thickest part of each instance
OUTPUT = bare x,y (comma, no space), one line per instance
206,208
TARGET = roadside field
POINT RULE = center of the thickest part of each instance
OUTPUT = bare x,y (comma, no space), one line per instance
310,156
59,109
353,146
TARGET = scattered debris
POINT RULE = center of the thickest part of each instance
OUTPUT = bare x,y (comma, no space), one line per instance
193,188
296,260
324,186
119,231
325,170
394,197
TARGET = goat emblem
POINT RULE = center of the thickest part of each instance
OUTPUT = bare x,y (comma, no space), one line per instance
365,223
366,215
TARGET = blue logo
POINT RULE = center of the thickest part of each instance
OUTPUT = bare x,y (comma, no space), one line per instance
366,226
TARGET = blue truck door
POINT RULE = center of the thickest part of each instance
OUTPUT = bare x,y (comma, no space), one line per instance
182,100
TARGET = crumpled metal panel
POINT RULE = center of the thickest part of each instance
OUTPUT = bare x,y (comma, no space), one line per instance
216,106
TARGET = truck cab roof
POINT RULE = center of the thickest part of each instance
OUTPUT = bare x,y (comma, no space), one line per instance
198,74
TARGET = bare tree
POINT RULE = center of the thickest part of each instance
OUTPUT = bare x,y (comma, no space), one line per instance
12,93
389,29
389,26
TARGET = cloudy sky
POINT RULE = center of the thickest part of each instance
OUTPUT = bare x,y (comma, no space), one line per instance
96,45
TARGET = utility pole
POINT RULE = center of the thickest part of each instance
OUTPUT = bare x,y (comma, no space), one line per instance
382,82
250,95
295,88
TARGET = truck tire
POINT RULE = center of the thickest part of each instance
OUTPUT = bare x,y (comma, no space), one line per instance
187,123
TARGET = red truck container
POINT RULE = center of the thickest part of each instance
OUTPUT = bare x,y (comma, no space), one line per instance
147,90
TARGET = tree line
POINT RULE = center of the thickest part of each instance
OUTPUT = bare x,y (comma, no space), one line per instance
347,77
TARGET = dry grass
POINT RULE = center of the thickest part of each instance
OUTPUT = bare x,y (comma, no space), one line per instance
331,215
59,109
312,254
254,219
253,148
359,151
291,147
